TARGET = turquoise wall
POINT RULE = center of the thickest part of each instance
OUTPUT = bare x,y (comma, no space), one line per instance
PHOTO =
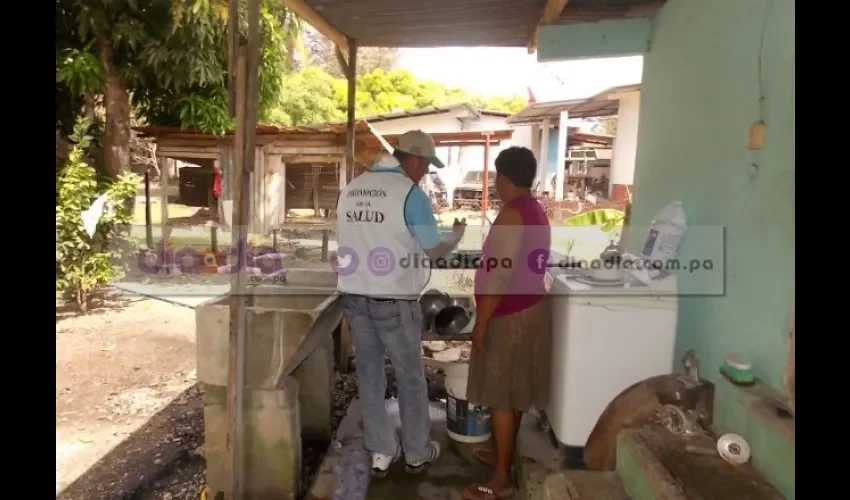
700,94
610,38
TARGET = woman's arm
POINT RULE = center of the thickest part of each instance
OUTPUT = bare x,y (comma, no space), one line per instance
505,242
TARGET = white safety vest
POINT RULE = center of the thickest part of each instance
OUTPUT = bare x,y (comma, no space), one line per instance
378,255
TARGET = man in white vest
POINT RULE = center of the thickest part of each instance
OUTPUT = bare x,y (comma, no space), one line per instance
386,229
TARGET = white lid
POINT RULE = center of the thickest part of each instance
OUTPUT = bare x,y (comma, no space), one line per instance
736,361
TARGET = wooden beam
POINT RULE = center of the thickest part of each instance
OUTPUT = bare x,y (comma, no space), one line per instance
164,174
551,11
313,158
350,138
148,224
305,12
340,58
314,150
244,152
236,354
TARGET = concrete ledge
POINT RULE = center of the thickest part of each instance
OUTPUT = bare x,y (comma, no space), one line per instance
656,464
751,413
584,485
643,476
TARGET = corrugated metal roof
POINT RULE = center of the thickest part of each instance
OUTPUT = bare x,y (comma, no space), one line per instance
586,11
328,128
469,23
599,105
434,23
361,127
430,110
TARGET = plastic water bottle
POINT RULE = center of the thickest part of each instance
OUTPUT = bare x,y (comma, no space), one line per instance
665,236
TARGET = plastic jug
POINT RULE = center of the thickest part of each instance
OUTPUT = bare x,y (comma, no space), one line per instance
665,235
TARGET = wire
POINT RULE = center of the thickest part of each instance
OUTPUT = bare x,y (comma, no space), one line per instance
760,66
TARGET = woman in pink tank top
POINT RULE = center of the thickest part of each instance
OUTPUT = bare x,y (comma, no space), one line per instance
509,367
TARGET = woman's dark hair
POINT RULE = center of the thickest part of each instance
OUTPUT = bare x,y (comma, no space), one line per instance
518,165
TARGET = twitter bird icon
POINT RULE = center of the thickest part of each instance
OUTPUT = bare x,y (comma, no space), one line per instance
346,261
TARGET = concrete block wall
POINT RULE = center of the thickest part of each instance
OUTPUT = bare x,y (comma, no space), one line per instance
747,411
272,441
276,418
277,322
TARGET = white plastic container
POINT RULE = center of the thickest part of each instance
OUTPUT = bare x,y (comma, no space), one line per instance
666,234
466,423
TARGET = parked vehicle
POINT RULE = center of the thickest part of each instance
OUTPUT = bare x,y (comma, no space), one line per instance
434,186
469,192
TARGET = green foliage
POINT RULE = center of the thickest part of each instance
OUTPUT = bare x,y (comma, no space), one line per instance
172,55
608,218
84,263
314,96
79,70
307,97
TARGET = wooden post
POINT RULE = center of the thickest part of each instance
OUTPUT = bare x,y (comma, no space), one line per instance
485,191
349,129
245,100
148,217
163,184
325,239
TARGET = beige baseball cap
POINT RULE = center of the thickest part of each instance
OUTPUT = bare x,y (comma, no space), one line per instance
417,142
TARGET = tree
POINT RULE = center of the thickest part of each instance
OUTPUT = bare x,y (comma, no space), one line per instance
314,96
307,97
163,60
322,53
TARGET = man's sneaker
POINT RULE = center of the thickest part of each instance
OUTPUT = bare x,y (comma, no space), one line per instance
434,455
381,463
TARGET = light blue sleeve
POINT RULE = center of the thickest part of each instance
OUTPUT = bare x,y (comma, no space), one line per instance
419,217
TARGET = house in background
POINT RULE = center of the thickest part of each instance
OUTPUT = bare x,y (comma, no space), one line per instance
460,117
586,158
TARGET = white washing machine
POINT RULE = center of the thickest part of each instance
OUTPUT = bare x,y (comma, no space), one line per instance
605,338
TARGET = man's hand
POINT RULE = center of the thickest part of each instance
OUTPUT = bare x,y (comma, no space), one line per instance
458,228
478,337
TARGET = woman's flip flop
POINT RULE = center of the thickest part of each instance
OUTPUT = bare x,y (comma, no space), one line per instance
484,492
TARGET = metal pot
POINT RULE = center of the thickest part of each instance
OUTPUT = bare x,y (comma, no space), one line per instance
432,302
451,320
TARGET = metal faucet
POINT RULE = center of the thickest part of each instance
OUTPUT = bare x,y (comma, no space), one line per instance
691,364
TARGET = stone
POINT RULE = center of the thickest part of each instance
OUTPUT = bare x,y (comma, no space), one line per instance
449,355
435,346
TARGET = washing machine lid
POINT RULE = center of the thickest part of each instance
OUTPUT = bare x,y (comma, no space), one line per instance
664,290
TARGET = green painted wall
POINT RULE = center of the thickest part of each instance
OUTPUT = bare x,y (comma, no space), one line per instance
700,95
613,38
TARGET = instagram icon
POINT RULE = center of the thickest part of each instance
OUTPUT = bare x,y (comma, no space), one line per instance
381,261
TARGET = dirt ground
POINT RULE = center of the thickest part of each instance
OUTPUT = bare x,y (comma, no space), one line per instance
129,413
116,368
